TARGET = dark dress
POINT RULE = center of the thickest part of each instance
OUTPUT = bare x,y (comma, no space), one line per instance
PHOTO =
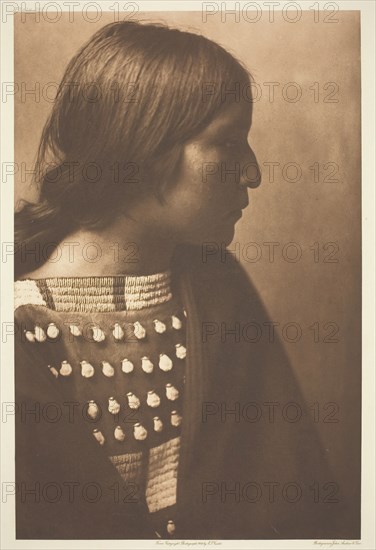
242,474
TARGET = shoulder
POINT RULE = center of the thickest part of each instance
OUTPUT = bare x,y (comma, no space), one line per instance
217,265
32,311
28,292
207,260
217,276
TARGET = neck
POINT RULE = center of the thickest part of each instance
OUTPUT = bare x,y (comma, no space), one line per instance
125,248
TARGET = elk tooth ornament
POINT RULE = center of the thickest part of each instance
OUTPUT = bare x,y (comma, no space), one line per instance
165,362
133,401
139,330
175,419
170,527
75,330
176,323
53,371
153,400
87,369
119,434
40,335
140,433
30,336
127,366
99,436
181,351
146,365
65,369
171,392
158,424
98,334
107,369
113,406
159,326
92,409
118,332
52,331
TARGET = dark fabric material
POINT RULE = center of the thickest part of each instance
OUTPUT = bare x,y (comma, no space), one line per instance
218,454
234,453
57,460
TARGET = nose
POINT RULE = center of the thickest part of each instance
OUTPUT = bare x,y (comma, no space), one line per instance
251,173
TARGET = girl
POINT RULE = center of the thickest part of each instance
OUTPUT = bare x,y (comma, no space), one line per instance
139,379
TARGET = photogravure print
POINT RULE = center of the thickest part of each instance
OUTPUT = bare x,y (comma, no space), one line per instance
187,272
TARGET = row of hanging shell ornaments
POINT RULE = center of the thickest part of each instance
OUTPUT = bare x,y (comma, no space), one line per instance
153,400
140,433
97,334
87,370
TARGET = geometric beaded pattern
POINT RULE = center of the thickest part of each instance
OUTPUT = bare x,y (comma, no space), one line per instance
95,294
27,292
162,475
128,466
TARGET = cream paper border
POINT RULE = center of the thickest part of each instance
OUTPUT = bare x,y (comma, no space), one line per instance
368,93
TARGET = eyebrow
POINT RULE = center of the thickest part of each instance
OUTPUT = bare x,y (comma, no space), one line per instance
229,127
231,124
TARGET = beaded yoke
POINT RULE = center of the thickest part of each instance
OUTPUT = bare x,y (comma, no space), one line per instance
117,347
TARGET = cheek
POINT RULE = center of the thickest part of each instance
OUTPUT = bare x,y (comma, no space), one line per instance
202,187
197,203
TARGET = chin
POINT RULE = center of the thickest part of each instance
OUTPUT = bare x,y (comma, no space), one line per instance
223,237
227,234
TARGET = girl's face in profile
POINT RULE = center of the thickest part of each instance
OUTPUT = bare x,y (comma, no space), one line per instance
207,199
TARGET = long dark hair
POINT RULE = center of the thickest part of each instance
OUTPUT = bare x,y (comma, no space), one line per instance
129,99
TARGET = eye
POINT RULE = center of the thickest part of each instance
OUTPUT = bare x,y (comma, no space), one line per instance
231,143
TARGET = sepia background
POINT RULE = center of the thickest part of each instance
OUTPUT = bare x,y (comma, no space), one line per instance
319,213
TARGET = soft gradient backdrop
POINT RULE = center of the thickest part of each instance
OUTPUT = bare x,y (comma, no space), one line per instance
314,129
